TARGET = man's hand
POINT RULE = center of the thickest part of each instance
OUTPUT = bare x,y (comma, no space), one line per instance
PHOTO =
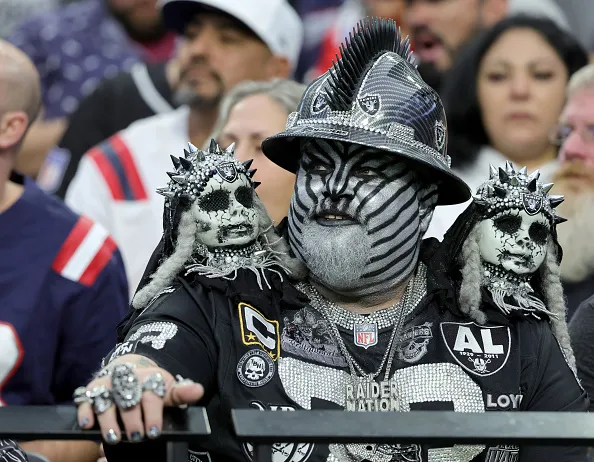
151,405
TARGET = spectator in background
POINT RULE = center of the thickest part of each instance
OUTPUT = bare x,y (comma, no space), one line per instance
62,281
575,180
146,90
77,46
441,28
251,112
503,98
226,42
346,17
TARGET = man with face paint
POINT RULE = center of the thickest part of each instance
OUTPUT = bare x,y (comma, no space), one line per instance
384,325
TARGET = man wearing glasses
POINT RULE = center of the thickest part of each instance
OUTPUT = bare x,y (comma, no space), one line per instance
574,178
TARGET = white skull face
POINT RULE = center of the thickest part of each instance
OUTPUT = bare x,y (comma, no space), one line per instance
225,213
515,241
254,369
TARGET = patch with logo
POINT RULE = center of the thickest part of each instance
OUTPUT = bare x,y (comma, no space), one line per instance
307,335
503,453
440,135
281,452
365,334
227,171
256,329
369,104
255,368
413,342
52,171
480,350
198,456
319,103
532,203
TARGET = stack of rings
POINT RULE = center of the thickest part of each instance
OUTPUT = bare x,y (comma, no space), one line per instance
126,390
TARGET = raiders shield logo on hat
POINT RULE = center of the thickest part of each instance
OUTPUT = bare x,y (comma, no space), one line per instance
532,203
480,350
227,171
369,104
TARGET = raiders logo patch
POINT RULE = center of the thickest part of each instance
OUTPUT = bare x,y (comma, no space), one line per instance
255,368
281,452
227,171
369,104
319,103
258,330
480,350
532,203
440,135
414,341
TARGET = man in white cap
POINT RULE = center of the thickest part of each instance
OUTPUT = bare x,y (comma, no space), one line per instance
225,42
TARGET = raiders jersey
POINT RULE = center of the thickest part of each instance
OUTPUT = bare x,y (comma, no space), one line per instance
257,350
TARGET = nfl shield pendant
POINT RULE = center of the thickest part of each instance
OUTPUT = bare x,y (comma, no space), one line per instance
365,335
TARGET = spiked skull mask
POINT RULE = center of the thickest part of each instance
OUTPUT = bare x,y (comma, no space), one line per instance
221,194
518,220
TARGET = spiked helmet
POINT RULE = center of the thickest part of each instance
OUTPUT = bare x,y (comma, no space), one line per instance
374,96
508,188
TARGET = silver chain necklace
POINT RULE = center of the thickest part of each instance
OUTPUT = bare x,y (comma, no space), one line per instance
365,394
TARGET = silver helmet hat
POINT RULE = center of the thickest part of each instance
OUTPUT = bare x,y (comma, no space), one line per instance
374,96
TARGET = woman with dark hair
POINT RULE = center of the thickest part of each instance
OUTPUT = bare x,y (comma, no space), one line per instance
502,99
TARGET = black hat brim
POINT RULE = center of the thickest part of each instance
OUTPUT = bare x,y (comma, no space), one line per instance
284,150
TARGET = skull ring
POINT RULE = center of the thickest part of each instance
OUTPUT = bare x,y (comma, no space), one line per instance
127,390
101,398
155,383
81,395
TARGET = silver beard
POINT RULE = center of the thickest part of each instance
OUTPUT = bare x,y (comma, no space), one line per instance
336,259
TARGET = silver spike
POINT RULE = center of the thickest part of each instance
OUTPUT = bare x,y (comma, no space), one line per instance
187,154
193,148
179,179
535,175
555,200
547,187
523,170
509,168
492,172
230,149
166,192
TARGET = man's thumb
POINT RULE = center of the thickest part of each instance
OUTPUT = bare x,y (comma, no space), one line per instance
185,392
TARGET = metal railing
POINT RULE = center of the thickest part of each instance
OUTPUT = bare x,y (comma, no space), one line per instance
27,423
264,428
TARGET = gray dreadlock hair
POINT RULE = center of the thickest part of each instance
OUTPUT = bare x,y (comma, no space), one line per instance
186,245
470,290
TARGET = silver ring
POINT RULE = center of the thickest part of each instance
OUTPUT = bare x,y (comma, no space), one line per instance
127,391
81,395
101,398
154,383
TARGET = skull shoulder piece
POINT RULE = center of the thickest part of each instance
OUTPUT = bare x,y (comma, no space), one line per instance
515,229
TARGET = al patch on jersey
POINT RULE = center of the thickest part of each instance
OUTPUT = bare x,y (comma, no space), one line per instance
256,329
480,350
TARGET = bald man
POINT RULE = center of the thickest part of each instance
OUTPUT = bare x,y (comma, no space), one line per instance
62,281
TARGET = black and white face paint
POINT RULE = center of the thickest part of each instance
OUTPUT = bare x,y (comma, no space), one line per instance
357,217
225,213
515,241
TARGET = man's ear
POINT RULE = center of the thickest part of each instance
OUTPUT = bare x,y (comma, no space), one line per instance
493,11
13,126
279,67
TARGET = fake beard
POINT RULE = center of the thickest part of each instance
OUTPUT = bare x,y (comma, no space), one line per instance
336,257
